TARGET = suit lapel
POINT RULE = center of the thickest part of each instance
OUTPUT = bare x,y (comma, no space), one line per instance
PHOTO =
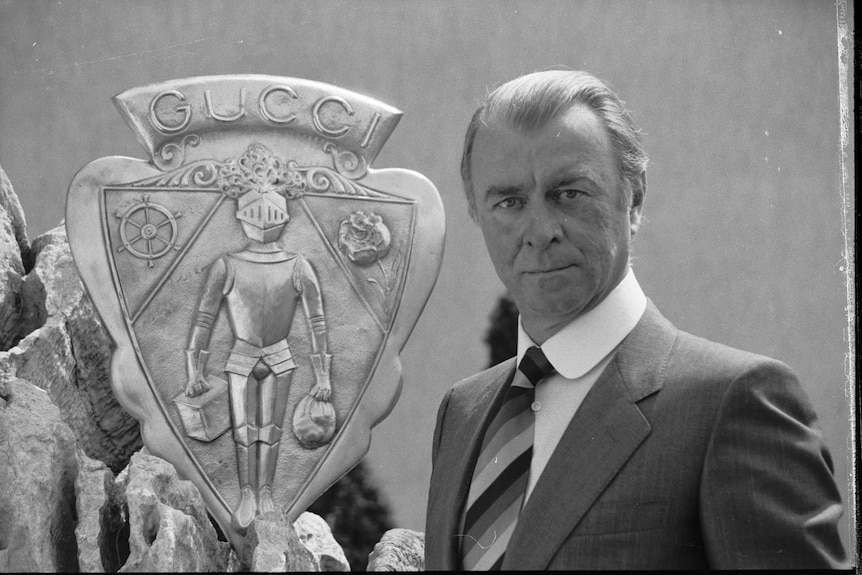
602,436
481,398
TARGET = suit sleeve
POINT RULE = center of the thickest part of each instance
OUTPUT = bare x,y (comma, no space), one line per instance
768,495
436,516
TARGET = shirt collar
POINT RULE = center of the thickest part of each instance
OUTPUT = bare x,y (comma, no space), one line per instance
586,340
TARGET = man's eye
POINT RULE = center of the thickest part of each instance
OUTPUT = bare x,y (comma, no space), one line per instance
569,194
510,203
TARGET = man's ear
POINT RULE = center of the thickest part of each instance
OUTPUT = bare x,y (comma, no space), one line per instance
636,209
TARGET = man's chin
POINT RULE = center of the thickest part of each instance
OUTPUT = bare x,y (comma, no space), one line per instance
556,284
551,311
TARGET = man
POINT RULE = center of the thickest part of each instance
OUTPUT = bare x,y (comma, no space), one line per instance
620,442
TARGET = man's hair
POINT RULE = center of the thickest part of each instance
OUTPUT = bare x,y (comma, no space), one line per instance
531,101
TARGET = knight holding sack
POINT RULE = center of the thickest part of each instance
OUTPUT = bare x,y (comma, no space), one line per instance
261,286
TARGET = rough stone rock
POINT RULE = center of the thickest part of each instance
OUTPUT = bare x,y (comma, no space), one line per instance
102,532
10,203
398,550
15,260
170,530
317,537
273,546
69,356
234,564
37,483
11,283
52,287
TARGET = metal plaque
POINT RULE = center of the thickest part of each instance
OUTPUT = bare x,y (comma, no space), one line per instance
259,280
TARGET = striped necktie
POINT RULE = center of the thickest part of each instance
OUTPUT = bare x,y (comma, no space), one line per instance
501,472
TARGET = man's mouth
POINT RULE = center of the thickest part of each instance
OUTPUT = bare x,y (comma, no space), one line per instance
550,269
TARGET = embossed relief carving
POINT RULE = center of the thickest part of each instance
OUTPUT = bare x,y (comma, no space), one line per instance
365,240
148,230
254,276
261,288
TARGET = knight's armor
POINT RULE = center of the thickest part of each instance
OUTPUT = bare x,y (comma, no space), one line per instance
260,286
260,328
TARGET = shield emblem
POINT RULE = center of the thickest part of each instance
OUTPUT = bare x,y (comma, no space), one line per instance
259,280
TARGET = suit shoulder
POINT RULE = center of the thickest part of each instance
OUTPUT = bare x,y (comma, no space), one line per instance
467,396
485,377
705,375
477,389
695,357
690,356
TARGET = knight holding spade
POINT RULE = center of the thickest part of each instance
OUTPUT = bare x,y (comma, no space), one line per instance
261,287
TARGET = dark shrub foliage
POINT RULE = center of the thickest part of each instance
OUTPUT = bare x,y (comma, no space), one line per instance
502,334
358,517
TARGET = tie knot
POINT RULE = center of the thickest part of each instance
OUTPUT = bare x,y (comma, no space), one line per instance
535,365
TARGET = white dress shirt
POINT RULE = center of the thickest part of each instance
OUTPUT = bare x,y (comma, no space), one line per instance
579,353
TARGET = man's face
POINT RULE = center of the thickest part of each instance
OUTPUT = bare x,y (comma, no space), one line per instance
552,209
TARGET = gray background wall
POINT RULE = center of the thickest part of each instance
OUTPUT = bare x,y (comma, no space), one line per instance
739,100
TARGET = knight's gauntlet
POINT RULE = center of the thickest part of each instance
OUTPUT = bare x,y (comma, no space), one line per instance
196,361
321,363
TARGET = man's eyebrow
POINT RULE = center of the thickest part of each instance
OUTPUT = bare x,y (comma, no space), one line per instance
499,191
569,178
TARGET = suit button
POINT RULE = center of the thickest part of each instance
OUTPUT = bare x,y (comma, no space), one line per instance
536,406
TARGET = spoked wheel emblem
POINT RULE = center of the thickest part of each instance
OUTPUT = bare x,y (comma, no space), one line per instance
148,230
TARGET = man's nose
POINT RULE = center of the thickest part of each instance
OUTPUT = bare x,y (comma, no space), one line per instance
542,225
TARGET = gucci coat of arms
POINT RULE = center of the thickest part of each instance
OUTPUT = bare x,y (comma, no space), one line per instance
259,280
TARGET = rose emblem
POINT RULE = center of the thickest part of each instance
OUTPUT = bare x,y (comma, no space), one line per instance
364,238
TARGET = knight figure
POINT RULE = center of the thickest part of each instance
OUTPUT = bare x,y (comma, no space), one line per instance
261,286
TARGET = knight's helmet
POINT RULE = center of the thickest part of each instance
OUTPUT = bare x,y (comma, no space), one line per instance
263,214
261,184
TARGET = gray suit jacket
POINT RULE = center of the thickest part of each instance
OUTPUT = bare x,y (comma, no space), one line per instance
685,454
